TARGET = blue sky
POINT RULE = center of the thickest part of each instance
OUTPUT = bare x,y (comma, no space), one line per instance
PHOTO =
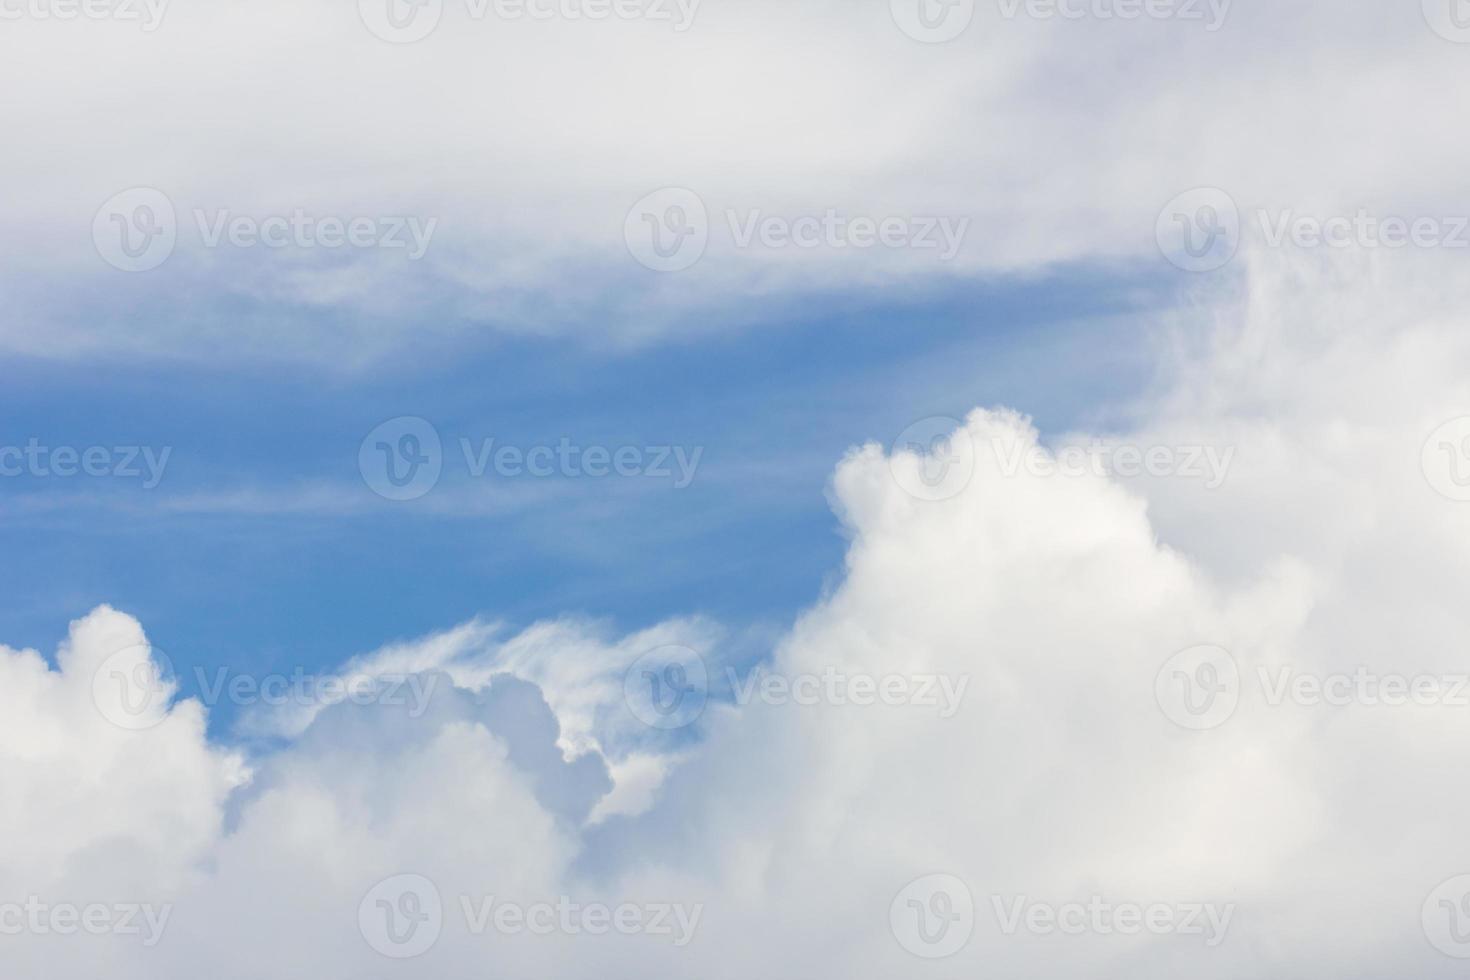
263,549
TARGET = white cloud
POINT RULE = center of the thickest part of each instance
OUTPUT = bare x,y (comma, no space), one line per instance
1323,828
1059,140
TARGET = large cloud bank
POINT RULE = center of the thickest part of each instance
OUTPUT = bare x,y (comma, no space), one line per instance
1053,138
1134,779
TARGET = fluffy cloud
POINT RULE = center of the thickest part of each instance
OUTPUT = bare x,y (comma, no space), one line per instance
1072,771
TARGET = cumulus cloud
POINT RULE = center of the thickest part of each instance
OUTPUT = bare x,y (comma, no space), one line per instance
1132,729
